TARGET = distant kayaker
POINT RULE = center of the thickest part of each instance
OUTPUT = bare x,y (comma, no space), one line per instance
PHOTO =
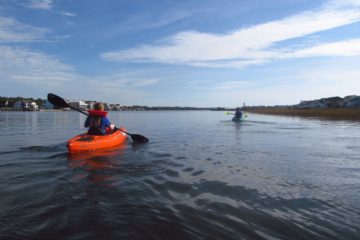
238,113
97,122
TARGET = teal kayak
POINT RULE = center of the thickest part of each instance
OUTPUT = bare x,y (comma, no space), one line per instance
236,119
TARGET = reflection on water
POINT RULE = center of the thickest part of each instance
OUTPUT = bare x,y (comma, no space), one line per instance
202,176
96,166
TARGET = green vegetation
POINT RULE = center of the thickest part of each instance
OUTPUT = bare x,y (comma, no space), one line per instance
328,113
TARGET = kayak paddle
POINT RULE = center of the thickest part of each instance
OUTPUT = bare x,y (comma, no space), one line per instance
230,113
58,101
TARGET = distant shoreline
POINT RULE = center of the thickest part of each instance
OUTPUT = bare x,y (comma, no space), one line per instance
29,110
124,110
329,113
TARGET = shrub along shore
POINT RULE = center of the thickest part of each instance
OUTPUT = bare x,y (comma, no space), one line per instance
328,113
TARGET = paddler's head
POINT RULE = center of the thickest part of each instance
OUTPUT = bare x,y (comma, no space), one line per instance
99,106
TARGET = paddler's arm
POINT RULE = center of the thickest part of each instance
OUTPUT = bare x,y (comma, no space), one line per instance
87,122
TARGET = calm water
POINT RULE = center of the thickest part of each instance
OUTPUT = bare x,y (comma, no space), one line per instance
201,176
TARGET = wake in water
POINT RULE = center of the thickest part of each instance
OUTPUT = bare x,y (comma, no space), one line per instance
49,148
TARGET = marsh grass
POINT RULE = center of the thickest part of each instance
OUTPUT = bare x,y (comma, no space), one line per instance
330,113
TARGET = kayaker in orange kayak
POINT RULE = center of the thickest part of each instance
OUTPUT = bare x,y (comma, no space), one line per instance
97,122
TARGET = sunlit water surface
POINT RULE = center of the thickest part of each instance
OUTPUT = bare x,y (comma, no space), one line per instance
201,176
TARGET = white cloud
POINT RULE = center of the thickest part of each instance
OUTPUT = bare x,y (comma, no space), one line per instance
344,3
284,94
24,66
326,79
123,81
144,82
124,88
40,4
310,84
13,31
69,14
141,22
343,48
224,85
245,46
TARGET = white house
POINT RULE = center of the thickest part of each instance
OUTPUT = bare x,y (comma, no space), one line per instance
79,105
25,105
33,106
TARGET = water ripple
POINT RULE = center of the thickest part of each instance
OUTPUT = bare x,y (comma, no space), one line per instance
207,178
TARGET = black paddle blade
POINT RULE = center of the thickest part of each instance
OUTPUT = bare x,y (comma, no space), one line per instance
139,138
57,101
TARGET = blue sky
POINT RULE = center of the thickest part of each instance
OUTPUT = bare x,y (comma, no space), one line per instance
180,53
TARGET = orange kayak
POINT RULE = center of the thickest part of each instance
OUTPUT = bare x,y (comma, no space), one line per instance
84,142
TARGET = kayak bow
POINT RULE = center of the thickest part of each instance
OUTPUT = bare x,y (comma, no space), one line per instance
235,119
